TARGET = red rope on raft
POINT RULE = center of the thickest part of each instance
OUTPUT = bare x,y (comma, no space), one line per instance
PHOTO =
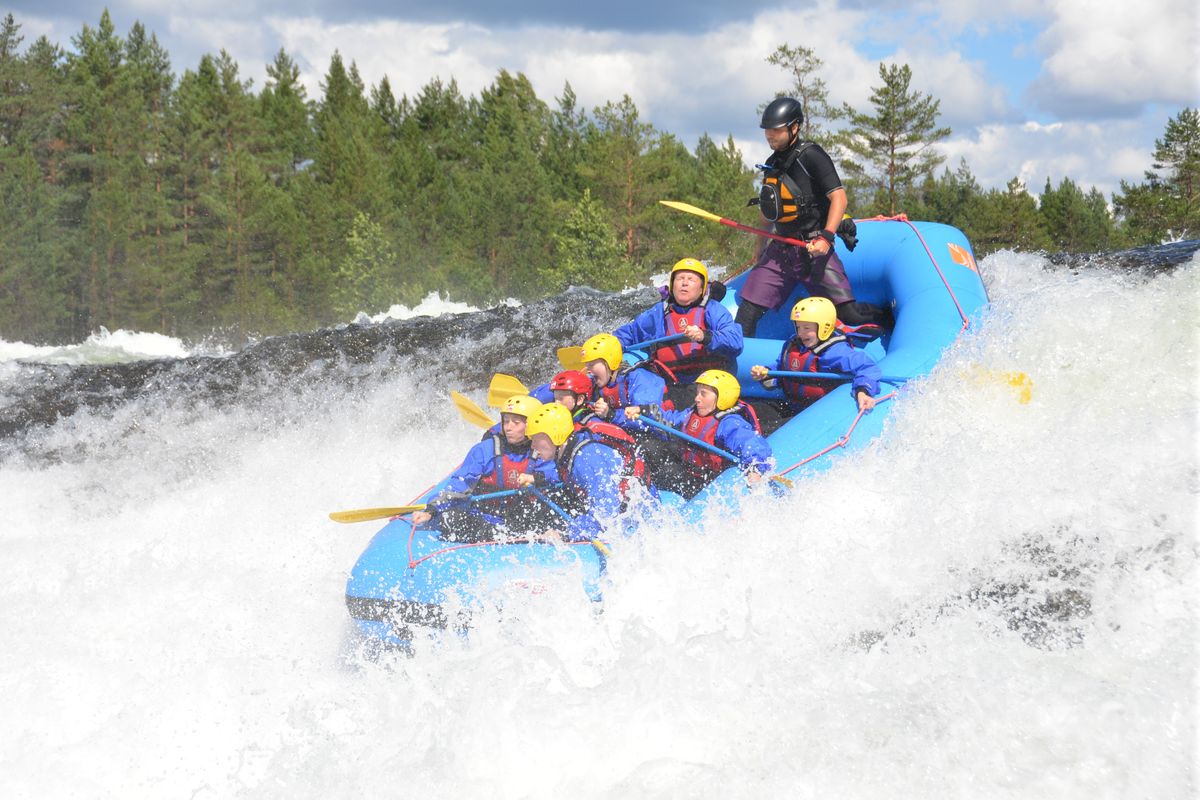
904,218
413,563
845,438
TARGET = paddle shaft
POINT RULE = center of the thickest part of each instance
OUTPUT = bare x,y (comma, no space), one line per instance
712,448
778,479
825,376
690,209
367,514
675,337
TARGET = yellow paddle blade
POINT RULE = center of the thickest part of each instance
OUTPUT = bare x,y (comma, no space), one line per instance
571,357
365,514
690,209
1021,383
503,387
471,411
786,483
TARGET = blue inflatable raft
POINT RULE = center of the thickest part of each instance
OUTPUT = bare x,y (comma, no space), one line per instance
409,578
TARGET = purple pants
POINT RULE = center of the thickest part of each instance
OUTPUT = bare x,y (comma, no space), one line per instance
781,266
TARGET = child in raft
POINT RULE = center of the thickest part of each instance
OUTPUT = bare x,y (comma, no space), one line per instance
719,418
502,460
816,348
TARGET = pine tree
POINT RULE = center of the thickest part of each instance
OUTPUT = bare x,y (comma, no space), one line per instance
283,107
892,150
565,150
1167,204
951,198
1075,222
587,251
1007,218
803,65
106,168
512,233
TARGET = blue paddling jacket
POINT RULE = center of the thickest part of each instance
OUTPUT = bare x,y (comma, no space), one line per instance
728,430
494,464
633,386
720,348
835,354
598,476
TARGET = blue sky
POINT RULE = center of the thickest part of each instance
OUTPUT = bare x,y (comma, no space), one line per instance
1034,89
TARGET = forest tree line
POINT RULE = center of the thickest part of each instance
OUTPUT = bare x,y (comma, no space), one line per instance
131,198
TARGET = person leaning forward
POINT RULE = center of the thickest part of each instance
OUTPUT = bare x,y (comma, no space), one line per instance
803,198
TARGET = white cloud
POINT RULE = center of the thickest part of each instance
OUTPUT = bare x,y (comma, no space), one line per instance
966,98
1107,57
1091,154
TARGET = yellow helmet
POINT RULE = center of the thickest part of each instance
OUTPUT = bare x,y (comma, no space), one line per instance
521,404
605,347
819,310
553,420
727,387
690,265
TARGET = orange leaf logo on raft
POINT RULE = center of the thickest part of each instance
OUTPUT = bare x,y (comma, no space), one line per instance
961,255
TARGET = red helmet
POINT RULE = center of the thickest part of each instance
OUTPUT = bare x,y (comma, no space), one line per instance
571,381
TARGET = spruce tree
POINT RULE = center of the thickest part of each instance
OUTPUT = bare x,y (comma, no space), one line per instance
891,151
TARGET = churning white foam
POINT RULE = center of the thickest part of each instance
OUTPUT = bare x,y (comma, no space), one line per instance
996,600
105,347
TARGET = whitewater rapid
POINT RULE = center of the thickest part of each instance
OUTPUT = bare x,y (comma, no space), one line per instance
996,600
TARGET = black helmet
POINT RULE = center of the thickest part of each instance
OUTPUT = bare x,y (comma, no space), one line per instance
781,112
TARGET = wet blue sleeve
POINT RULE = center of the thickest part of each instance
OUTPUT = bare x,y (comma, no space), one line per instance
479,459
645,388
545,473
644,327
726,334
738,437
597,469
844,358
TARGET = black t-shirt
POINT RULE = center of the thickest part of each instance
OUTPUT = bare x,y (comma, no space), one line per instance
813,170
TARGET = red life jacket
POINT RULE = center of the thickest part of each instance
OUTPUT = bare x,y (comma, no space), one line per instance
616,393
506,467
798,358
684,361
701,462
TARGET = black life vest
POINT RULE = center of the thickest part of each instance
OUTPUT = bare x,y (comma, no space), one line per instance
701,462
787,197
634,467
798,358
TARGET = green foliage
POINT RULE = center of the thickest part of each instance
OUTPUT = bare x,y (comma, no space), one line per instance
1167,204
1075,222
889,152
132,198
587,251
365,275
1007,218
